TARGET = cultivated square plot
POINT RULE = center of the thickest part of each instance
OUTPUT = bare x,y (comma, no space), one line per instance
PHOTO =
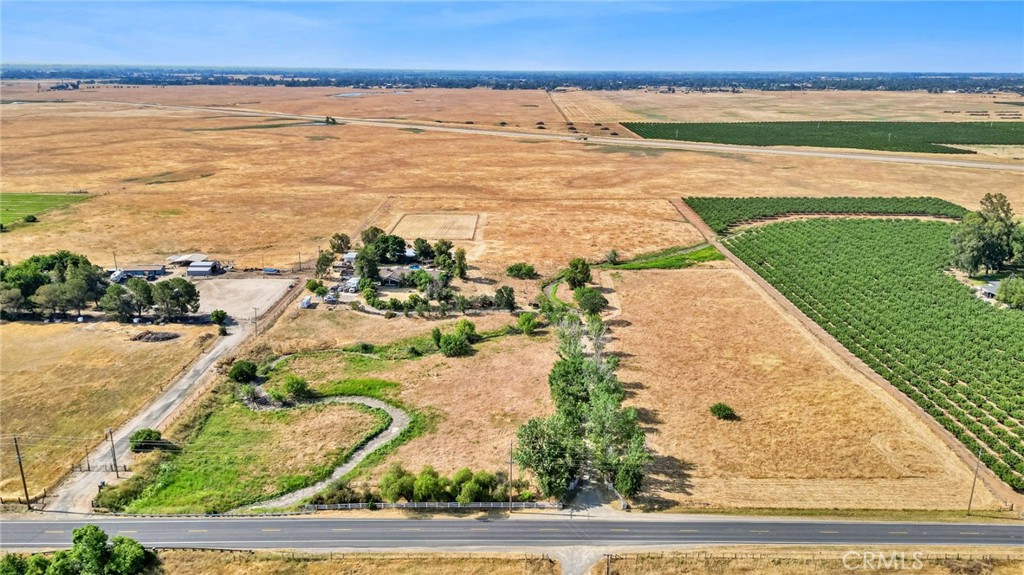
436,226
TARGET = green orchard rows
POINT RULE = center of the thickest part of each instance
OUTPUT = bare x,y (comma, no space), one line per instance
927,137
722,213
878,287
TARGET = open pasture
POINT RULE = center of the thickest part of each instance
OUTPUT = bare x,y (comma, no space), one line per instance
473,404
813,433
14,207
782,106
879,288
64,384
436,226
239,456
543,203
925,137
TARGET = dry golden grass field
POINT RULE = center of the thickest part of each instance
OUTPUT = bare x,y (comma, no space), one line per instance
758,106
64,384
211,563
257,190
476,402
813,432
175,180
817,560
437,226
323,328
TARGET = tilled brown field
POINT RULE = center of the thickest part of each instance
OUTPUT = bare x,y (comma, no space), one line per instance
812,433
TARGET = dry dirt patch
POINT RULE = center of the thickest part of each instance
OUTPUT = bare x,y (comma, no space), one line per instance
436,226
478,402
815,560
813,434
64,384
211,563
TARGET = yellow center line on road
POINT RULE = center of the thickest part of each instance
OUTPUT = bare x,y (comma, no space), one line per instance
197,531
897,533
759,531
969,533
828,532
127,531
479,529
411,529
548,529
688,531
620,530
341,530
269,529
53,532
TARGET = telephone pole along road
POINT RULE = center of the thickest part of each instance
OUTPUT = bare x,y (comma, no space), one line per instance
523,532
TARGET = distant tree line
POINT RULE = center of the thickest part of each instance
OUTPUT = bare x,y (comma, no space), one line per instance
504,80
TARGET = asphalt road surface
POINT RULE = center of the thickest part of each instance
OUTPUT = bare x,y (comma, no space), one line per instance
377,534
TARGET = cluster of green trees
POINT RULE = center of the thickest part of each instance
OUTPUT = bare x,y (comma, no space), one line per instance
91,554
464,486
521,270
170,298
590,429
382,248
1011,292
457,343
989,238
55,283
50,284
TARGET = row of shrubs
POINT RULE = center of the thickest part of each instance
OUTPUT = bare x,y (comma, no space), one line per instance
399,484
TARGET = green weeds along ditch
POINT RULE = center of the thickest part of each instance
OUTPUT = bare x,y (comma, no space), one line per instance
928,137
720,214
669,259
878,287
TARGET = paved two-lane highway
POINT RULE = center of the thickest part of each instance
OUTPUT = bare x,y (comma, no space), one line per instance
376,534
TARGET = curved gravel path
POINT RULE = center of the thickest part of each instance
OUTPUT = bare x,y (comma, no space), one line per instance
399,421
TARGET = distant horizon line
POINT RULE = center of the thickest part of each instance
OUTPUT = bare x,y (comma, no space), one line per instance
242,67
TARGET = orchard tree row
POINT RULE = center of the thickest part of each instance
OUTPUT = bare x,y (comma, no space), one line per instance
878,287
720,214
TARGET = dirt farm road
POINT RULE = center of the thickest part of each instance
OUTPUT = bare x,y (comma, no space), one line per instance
997,486
662,144
77,491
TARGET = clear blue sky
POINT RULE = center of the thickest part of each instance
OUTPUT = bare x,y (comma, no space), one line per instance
666,36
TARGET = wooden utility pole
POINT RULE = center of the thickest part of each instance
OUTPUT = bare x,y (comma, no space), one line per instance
977,466
21,469
510,477
113,453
